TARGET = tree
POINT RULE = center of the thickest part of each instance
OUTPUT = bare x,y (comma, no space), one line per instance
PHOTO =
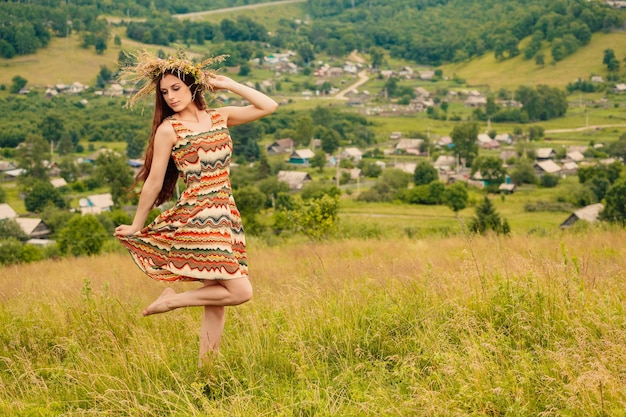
112,169
523,173
316,218
17,83
549,180
52,128
31,158
305,51
330,139
271,187
319,160
609,55
425,173
377,56
250,200
456,196
487,218
9,228
491,169
304,130
464,137
41,194
615,203
83,235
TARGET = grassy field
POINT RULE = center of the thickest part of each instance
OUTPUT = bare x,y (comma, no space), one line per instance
521,326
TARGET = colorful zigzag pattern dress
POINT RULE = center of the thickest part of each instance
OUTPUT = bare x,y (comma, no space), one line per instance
201,237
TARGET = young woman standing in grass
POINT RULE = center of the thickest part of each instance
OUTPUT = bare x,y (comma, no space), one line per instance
201,237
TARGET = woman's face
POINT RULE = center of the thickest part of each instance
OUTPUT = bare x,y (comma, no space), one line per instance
175,92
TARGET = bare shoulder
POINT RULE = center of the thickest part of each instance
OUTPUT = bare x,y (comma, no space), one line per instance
165,133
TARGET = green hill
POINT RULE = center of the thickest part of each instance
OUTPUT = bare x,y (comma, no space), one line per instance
517,71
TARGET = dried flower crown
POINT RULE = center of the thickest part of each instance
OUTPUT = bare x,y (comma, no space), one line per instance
147,68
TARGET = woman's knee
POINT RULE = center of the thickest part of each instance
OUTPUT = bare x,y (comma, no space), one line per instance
241,291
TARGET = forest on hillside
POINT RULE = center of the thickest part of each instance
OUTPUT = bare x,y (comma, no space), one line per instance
429,32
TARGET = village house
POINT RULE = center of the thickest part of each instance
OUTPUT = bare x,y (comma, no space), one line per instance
295,179
503,138
410,146
475,101
569,168
444,142
6,166
505,188
421,104
508,154
281,146
588,213
544,154
445,162
58,182
406,72
485,141
354,154
547,167
301,157
96,203
408,167
7,212
619,88
421,92
354,174
33,228
395,135
575,156
427,75
114,90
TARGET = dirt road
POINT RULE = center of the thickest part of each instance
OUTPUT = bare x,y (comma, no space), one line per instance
581,129
192,16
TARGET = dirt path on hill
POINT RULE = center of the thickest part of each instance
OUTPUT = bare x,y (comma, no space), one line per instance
192,16
582,129
363,78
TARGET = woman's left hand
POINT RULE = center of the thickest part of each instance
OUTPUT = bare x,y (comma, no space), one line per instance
220,82
125,230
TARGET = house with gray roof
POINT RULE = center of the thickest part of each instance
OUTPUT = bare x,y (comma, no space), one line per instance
7,212
547,167
588,213
295,179
301,157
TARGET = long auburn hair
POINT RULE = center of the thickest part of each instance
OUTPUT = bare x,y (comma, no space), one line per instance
161,112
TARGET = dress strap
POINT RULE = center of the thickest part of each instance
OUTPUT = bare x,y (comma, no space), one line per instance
177,126
217,119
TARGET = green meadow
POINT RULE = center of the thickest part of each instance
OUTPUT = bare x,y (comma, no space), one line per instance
437,326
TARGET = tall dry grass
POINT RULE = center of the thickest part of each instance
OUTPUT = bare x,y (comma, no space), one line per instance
514,326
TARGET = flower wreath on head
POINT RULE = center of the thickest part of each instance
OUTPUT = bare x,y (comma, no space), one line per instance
147,68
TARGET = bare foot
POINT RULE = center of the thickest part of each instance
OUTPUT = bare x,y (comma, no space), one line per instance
161,304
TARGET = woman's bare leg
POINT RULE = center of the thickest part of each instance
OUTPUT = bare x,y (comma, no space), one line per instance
220,293
211,332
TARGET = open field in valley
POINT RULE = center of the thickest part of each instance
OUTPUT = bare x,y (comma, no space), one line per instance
440,326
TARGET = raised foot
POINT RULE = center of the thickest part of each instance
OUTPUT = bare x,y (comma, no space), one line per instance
161,304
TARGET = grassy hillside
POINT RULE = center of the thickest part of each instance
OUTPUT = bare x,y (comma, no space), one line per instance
65,61
523,326
518,71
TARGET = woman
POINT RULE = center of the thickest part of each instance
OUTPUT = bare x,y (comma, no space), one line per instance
201,237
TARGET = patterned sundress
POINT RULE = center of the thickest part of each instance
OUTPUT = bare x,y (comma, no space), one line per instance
201,237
